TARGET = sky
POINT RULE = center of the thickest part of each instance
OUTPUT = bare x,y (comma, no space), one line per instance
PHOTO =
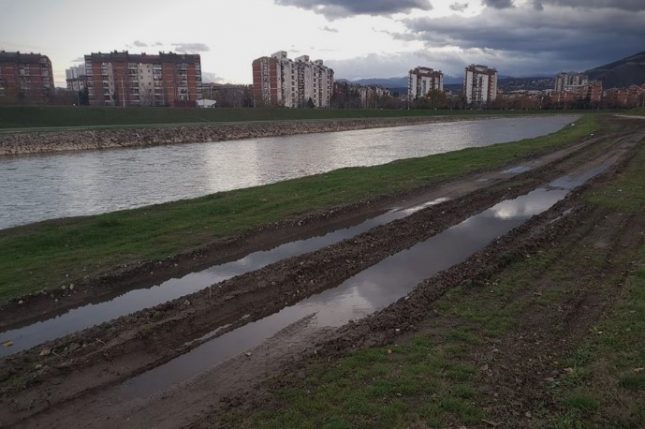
357,38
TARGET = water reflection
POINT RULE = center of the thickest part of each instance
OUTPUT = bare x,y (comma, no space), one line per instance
134,300
368,291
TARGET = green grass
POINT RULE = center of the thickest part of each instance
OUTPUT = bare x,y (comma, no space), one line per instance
19,117
55,253
607,387
417,383
627,192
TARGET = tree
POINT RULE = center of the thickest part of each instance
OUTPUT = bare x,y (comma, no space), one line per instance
437,99
84,97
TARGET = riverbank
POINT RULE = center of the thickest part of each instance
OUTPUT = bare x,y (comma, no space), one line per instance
35,141
55,254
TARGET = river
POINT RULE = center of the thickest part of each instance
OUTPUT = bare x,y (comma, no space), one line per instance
40,187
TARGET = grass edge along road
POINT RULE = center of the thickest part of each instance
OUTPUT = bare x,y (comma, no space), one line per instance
55,253
439,377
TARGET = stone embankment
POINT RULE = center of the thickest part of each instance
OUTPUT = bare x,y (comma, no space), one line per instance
32,142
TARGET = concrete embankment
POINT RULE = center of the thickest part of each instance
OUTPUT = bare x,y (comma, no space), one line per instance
17,143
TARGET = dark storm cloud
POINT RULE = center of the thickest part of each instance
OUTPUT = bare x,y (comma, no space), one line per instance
520,34
499,4
631,5
342,8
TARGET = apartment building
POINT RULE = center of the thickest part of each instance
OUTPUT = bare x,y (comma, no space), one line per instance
633,96
576,87
422,80
281,81
480,84
25,78
124,79
570,81
76,78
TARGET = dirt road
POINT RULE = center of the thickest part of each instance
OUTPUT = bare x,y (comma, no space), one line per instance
155,367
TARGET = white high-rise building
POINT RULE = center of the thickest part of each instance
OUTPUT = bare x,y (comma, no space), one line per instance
570,81
75,77
480,84
422,80
280,81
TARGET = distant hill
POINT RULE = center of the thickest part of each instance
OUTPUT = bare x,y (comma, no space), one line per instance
622,73
455,83
539,83
402,82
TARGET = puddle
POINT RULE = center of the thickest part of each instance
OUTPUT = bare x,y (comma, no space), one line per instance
368,291
517,170
135,300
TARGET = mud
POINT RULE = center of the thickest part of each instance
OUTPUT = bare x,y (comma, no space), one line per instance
38,382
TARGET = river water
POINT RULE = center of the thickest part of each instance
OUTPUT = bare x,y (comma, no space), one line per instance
35,188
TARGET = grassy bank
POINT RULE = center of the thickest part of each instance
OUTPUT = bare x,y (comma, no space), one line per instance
449,374
19,117
55,253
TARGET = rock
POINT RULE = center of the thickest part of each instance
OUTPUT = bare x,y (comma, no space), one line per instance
248,354
8,343
45,352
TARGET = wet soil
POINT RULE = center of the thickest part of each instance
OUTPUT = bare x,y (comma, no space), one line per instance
56,383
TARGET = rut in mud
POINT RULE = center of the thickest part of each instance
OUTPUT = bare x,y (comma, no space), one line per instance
135,343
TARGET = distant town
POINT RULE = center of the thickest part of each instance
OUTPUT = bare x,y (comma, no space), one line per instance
123,79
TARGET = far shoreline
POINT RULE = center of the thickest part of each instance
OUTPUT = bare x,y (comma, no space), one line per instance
37,141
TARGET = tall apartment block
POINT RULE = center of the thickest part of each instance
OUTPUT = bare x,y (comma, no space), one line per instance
280,81
76,78
570,81
480,84
422,80
124,79
25,78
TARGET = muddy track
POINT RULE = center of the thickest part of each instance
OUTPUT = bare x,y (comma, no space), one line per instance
48,303
103,356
